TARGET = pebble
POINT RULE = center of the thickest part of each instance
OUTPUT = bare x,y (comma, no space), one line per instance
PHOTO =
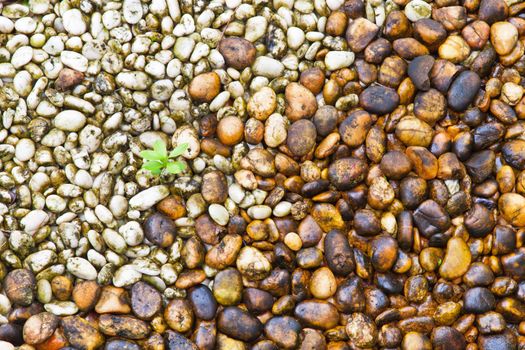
204,87
73,22
81,268
267,67
252,264
81,334
238,324
70,120
379,99
503,36
148,197
417,9
38,328
238,53
219,214
335,60
457,259
74,61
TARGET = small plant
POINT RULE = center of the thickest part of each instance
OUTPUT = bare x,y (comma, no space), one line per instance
158,159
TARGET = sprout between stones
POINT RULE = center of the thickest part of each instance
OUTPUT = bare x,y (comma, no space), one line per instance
159,159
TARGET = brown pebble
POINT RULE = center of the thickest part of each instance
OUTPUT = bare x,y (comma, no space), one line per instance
204,87
238,53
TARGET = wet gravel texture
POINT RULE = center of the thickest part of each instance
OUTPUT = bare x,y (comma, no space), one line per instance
354,177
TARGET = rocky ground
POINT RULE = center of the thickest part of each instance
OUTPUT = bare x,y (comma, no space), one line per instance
354,177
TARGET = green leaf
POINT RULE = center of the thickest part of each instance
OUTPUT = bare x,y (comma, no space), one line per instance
160,148
153,166
180,149
151,155
175,167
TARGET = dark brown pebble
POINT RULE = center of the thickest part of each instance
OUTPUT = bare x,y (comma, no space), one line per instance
12,333
479,221
447,338
395,165
317,314
379,99
492,11
463,90
283,331
505,341
301,137
383,251
176,341
430,218
19,286
346,173
338,253
238,53
146,301
239,324
419,71
478,300
257,300
350,296
203,302
480,165
514,154
160,230
366,223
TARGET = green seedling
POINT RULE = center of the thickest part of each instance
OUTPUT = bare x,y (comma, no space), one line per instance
158,159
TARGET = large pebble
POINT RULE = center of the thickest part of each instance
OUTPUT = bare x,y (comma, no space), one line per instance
463,90
70,120
512,208
204,87
123,326
252,264
457,259
267,67
149,197
132,11
40,327
239,324
74,22
503,36
335,60
238,53
379,99
346,173
81,334
81,268
317,314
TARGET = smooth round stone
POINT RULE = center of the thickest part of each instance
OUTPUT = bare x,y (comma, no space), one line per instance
74,22
463,90
379,99
81,268
457,259
25,150
22,56
132,11
295,37
418,9
219,214
70,120
260,212
335,60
